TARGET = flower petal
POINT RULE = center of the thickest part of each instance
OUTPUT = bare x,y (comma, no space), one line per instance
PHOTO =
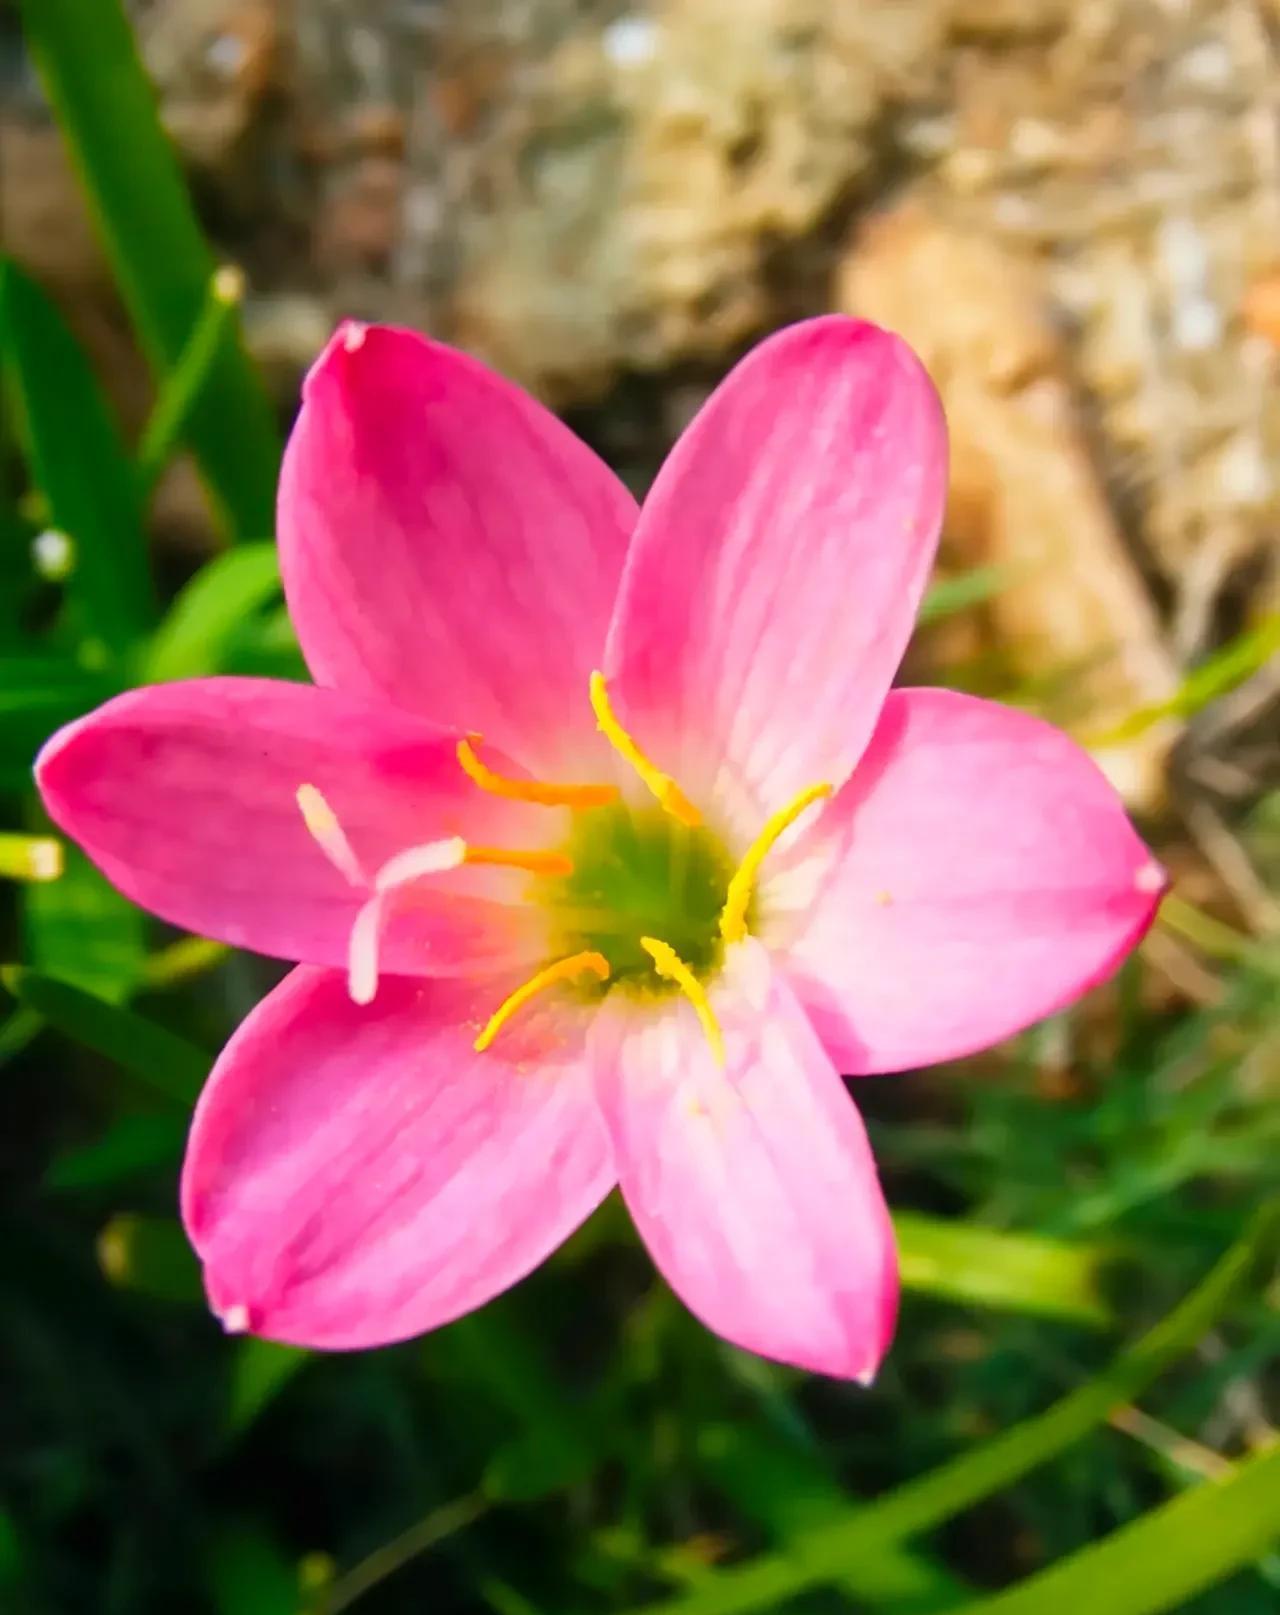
447,544
357,1176
975,874
753,1186
185,796
774,576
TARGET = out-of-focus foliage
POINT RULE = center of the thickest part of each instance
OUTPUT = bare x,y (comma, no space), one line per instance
1077,1402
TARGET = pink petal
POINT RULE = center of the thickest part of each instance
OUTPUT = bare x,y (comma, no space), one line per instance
185,796
774,576
975,874
356,1176
447,544
753,1186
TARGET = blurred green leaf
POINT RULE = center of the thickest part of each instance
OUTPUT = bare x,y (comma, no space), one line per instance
549,1447
260,1371
987,1267
131,1147
79,463
946,596
269,649
38,695
789,1492
212,612
168,1064
1163,1559
249,1574
149,1256
11,1554
826,1553
81,930
88,63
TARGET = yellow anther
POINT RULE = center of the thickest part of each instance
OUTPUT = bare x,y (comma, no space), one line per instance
733,916
532,790
322,823
537,863
668,793
577,964
671,967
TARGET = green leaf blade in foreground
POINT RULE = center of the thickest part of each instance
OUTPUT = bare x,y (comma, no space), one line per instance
959,1261
825,1554
170,1065
88,63
80,929
211,614
79,463
1163,1559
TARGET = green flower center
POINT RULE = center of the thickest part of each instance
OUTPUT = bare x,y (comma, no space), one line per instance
638,872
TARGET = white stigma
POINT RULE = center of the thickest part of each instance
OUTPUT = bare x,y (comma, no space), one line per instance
362,953
432,858
353,335
322,825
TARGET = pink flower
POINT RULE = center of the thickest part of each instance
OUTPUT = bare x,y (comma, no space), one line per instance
637,931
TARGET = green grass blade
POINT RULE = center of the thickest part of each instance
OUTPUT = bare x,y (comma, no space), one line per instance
946,596
211,613
182,387
788,1490
169,1065
825,1555
88,62
957,1261
81,930
1216,676
1163,1559
261,1370
79,463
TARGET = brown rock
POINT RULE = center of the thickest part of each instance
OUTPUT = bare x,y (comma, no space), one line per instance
1024,495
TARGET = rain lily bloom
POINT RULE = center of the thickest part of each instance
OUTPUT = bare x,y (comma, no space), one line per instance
605,847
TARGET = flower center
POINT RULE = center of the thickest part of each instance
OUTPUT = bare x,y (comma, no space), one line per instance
645,899
637,874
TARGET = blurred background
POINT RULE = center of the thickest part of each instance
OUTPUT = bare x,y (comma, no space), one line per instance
1072,209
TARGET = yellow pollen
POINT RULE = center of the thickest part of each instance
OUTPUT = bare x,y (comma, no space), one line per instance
537,863
562,970
322,824
671,967
733,916
532,790
668,793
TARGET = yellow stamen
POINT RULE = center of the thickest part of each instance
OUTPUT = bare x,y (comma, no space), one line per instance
537,863
532,790
668,793
671,967
562,970
733,916
322,823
